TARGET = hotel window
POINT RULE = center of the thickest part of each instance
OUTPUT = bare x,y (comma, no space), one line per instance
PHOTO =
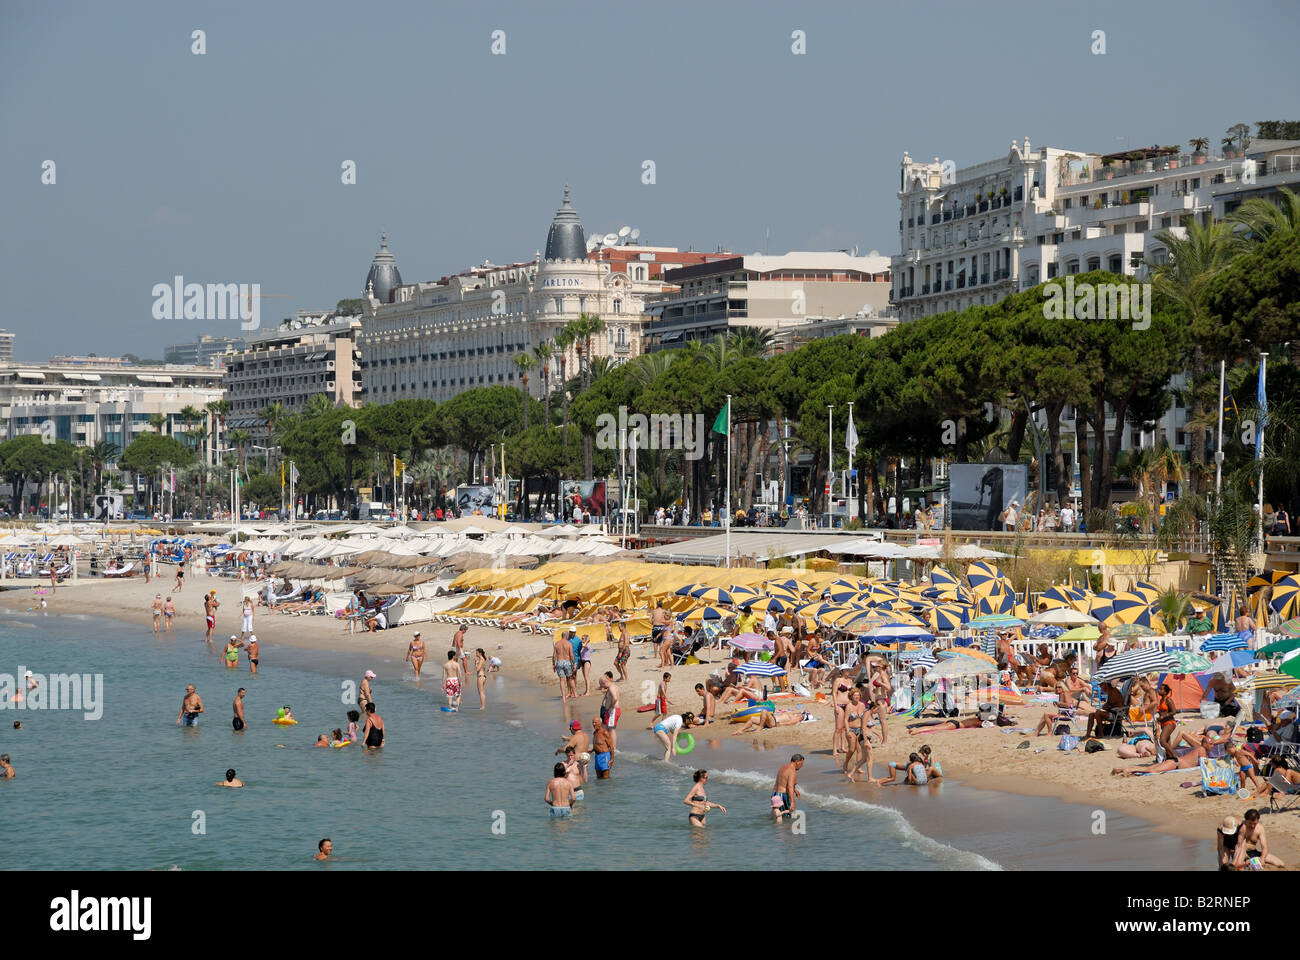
618,306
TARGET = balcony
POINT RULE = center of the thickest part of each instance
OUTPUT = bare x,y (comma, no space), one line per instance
984,278
947,285
961,282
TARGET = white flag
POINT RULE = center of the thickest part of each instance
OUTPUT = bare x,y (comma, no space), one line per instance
851,438
293,473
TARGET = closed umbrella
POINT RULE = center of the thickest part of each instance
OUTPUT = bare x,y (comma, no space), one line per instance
1135,663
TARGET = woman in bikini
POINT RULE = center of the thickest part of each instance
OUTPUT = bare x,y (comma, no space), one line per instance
859,745
480,675
840,688
698,801
415,654
881,690
169,611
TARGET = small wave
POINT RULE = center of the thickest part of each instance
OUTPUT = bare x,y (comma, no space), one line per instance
935,850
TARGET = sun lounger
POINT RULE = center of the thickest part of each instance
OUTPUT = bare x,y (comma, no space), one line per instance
1285,795
128,570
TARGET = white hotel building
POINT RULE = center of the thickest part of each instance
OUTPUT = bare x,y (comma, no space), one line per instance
985,231
435,340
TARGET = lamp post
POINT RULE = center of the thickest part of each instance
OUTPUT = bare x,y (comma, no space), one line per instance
1218,438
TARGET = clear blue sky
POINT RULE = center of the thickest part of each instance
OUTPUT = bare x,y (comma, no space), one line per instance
226,167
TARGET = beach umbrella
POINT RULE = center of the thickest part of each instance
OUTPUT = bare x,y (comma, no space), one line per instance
1146,616
954,667
1286,595
1135,663
897,632
1189,662
773,604
1290,701
1126,601
1081,633
689,589
759,668
1291,628
1063,616
848,583
1292,667
752,642
791,585
1132,630
1224,641
1230,660
948,617
1265,579
940,576
1285,645
996,603
972,653
1145,589
1268,681
700,614
713,595
985,620
841,593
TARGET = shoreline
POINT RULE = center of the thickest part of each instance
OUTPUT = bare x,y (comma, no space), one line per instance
526,664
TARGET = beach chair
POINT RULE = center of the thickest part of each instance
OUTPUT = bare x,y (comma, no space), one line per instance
1285,795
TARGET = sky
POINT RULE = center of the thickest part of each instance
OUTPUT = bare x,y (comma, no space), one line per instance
227,166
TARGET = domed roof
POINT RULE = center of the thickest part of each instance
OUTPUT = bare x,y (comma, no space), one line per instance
566,240
383,274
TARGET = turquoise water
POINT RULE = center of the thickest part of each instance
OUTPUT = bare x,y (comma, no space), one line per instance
129,790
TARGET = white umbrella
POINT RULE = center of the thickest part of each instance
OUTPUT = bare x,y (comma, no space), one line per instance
1065,616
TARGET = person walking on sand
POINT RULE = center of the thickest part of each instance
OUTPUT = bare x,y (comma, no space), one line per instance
180,578
858,744
210,604
786,791
451,680
169,614
157,608
661,698
624,651
609,708
698,801
191,707
415,653
238,720
562,664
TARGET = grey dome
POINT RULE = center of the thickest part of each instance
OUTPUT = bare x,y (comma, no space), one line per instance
566,240
383,274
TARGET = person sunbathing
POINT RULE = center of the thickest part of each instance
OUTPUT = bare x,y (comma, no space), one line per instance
739,692
1192,758
1136,747
316,602
1000,719
767,719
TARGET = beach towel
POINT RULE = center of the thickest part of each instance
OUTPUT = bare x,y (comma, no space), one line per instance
1219,776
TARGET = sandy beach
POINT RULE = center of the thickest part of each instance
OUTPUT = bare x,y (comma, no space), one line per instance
982,758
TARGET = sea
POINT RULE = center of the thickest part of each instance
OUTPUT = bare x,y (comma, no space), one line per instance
117,785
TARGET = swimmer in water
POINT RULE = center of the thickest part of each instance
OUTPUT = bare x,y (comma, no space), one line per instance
325,848
322,741
338,736
231,780
698,801
374,730
191,707
353,717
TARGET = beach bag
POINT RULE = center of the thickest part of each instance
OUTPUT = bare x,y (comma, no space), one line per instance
1093,746
1219,776
1068,743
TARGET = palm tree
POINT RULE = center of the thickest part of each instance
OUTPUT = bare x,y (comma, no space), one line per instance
189,414
1173,609
101,453
1263,218
564,338
239,438
1184,278
585,327
218,409
543,353
648,366
272,414
1199,144
525,362
158,421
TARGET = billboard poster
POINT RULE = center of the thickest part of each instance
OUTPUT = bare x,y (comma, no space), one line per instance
979,492
588,495
109,506
478,498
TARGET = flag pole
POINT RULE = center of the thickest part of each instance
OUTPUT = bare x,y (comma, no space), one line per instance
1259,449
727,499
830,458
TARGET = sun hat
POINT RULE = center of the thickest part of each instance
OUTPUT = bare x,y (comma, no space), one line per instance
370,675
1228,827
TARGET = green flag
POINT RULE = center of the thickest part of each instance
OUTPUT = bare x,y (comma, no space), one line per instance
720,424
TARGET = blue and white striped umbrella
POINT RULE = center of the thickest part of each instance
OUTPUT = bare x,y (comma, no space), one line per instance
1224,641
1136,663
925,659
759,668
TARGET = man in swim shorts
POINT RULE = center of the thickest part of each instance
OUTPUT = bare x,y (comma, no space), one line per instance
786,790
210,604
603,748
559,794
191,707
563,665
238,720
253,655
451,680
609,708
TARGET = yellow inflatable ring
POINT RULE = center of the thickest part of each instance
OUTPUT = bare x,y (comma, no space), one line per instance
290,722
340,743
